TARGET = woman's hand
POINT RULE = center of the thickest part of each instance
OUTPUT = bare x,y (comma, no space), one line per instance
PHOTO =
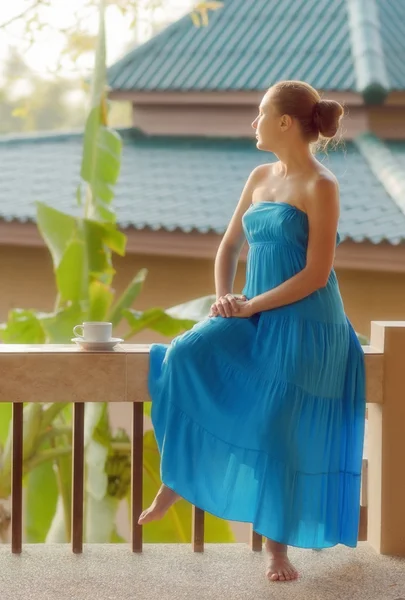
230,306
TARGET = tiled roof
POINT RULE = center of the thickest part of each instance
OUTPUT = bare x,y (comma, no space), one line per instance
188,183
387,163
353,45
392,20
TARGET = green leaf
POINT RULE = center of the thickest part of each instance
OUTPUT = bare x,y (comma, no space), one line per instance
171,321
97,480
54,411
97,443
22,327
57,533
96,422
59,325
32,430
193,310
116,538
101,164
79,195
100,238
101,297
57,230
41,500
97,253
100,519
64,237
100,69
176,525
101,160
128,297
72,273
6,409
32,427
156,319
64,477
114,239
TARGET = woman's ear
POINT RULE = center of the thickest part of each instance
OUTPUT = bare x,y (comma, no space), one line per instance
286,122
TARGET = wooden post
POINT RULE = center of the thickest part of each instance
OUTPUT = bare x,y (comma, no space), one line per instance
256,540
363,503
78,477
386,444
197,534
137,475
16,479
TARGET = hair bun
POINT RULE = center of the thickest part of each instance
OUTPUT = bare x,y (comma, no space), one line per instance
326,117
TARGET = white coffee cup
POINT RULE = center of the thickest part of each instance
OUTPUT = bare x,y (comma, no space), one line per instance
94,331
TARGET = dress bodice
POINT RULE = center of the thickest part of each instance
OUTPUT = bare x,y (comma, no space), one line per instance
277,234
277,222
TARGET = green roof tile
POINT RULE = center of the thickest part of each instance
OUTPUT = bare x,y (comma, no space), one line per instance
186,183
246,46
353,45
387,163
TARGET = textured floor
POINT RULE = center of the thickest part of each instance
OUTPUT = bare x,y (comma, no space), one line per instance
163,572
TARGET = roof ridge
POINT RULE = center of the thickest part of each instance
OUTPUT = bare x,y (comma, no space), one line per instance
367,49
29,136
384,166
50,135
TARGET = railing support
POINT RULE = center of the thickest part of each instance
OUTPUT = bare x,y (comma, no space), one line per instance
137,475
16,479
386,444
78,477
197,530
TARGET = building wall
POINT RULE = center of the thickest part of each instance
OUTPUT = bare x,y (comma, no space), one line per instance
27,282
235,120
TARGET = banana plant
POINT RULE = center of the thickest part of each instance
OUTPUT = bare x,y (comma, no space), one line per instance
81,249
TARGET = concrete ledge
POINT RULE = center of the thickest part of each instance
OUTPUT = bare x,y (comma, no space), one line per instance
65,373
173,571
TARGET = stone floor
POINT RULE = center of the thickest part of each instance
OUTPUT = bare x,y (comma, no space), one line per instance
173,571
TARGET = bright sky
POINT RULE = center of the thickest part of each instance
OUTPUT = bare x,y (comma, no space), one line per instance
43,55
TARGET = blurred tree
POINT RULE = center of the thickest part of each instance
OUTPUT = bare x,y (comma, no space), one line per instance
79,38
33,102
29,102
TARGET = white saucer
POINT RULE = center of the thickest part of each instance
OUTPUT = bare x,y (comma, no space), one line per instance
97,346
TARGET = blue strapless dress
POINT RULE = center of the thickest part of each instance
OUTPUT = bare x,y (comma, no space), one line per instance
262,420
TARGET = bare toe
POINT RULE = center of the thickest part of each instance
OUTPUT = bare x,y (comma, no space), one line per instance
281,572
143,517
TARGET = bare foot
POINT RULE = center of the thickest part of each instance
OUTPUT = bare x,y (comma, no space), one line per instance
164,499
280,568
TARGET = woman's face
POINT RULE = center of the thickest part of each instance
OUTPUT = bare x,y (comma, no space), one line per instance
269,125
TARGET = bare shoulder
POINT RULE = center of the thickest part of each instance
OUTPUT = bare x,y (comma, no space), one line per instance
261,172
324,192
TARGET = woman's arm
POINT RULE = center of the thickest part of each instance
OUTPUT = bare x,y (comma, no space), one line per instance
226,260
323,215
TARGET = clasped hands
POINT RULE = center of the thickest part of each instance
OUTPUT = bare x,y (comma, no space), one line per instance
231,306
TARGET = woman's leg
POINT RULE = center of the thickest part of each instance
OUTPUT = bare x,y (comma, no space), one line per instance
164,499
280,568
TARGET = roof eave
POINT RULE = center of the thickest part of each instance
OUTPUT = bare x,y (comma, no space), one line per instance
362,256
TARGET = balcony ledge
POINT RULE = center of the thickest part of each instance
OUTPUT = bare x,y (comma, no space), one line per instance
173,571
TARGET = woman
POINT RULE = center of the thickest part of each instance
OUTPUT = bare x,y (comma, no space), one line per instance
259,409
